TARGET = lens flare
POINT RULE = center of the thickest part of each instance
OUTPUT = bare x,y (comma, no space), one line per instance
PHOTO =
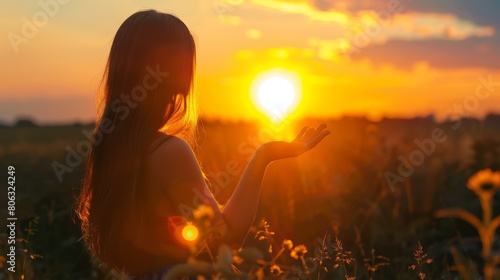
190,232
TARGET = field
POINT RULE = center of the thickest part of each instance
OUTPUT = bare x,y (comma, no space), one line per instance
376,187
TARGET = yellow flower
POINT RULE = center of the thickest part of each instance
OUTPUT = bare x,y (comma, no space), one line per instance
275,270
484,180
204,212
298,252
287,244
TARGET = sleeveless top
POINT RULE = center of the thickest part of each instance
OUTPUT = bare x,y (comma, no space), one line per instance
157,143
161,272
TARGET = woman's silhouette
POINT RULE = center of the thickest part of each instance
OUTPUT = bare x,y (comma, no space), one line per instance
141,167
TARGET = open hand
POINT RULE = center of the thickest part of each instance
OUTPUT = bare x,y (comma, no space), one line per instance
307,139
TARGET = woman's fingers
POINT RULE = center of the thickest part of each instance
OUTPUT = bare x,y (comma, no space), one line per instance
318,138
320,128
301,134
323,126
308,134
307,139
314,132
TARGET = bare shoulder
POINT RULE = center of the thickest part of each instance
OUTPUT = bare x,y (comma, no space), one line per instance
174,148
172,144
173,159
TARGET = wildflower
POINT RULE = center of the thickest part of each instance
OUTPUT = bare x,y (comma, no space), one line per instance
204,212
287,244
421,258
298,252
484,184
276,270
341,255
262,232
375,262
484,180
237,259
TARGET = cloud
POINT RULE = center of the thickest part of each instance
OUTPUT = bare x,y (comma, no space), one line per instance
304,8
340,30
253,33
322,9
443,26
388,16
349,6
379,23
473,53
331,50
275,54
230,20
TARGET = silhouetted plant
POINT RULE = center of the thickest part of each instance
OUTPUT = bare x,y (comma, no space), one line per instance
484,184
421,260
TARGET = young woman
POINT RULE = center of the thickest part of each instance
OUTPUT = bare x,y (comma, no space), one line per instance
141,167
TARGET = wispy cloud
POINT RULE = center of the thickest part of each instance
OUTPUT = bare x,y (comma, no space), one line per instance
396,23
231,20
253,33
418,26
304,8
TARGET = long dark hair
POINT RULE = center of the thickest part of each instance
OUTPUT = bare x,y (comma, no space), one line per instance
147,88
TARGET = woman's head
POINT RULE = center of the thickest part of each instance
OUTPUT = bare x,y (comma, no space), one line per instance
151,63
147,88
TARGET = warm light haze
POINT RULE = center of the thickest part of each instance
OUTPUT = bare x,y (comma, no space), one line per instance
322,139
375,59
276,93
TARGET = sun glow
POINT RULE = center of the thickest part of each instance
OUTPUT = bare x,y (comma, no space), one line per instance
276,93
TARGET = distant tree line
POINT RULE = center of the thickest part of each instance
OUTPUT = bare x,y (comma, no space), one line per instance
490,119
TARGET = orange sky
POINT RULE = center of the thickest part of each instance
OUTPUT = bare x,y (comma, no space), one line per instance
422,59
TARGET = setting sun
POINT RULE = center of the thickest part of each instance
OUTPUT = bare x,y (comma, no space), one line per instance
276,94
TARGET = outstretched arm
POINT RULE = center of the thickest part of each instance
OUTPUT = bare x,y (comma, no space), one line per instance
239,212
177,168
